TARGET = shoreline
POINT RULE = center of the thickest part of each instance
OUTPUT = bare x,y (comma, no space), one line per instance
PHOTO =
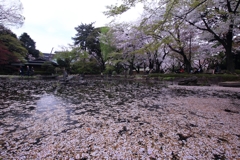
212,87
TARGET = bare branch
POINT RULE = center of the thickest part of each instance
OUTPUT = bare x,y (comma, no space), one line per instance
235,10
212,32
10,13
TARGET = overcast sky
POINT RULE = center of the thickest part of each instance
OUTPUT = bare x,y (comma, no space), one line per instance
51,23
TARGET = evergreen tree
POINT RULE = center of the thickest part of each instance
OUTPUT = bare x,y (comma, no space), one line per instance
87,38
29,44
83,32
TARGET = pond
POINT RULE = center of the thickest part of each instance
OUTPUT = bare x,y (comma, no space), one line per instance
117,120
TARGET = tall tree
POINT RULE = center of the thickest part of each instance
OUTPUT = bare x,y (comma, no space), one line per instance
129,40
6,56
12,44
155,24
66,57
219,20
106,46
29,44
83,32
10,13
87,38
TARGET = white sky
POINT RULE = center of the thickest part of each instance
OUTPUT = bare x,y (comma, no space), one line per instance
51,23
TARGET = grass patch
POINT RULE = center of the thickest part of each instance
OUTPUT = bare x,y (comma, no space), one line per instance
222,77
167,78
17,77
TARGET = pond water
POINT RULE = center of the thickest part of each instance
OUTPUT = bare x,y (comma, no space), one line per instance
117,120
48,103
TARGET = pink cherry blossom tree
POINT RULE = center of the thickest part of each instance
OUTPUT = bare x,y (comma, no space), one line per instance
220,21
217,19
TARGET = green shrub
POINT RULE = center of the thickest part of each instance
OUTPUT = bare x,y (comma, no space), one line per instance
114,73
109,69
48,68
8,70
90,67
237,71
58,70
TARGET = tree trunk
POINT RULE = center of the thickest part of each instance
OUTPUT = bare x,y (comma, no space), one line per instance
230,61
103,64
131,66
229,53
187,63
138,69
151,63
131,69
158,64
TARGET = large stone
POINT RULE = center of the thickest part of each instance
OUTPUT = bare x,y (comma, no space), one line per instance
230,84
188,81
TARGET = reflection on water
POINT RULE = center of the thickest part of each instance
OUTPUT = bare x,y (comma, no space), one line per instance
48,117
48,103
52,113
